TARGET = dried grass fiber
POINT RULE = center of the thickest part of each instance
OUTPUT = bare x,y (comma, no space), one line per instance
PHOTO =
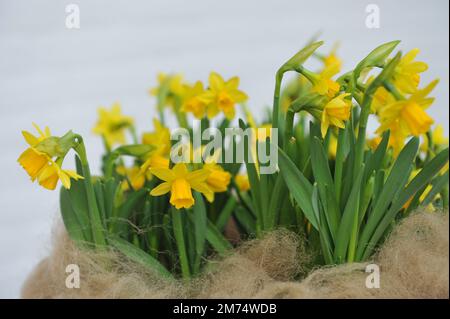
414,263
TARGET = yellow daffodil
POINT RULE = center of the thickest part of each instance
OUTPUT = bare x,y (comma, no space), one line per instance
32,160
332,147
381,98
323,83
406,75
222,96
218,179
180,182
112,124
437,137
242,182
159,138
332,60
192,100
153,161
263,132
409,115
336,112
40,165
170,87
52,173
134,177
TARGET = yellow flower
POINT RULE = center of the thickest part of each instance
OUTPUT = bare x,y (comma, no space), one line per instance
40,165
323,83
52,173
263,132
170,86
134,177
180,182
332,60
112,124
192,100
406,75
242,182
32,160
336,112
409,115
222,96
332,147
218,179
381,98
159,138
438,138
153,161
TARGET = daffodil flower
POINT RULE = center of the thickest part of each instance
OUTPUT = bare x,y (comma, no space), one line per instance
218,179
192,100
159,138
409,115
381,98
323,83
52,173
242,182
437,137
406,75
112,124
40,165
179,181
170,87
222,96
134,177
332,60
335,113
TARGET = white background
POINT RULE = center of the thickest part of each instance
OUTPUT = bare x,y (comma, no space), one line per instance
58,77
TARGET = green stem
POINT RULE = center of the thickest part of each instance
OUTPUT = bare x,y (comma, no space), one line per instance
276,98
94,213
289,126
179,238
361,141
339,165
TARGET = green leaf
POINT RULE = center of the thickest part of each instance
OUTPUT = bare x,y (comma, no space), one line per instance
177,225
246,220
375,58
376,160
322,175
71,222
395,182
200,223
216,239
276,200
77,200
254,181
294,63
347,231
325,239
438,184
137,150
120,221
300,188
226,213
138,255
425,175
